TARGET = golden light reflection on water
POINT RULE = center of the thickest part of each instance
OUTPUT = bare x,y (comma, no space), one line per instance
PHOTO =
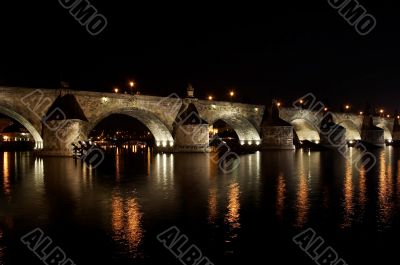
127,222
385,188
233,215
6,175
348,203
303,204
362,194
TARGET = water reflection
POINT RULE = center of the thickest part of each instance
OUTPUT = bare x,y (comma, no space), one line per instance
233,215
303,204
6,175
127,223
280,196
385,189
212,205
348,203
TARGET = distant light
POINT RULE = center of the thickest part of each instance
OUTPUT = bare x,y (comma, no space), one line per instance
347,107
104,99
158,143
361,113
214,106
256,109
381,111
116,90
131,84
325,109
388,116
351,142
231,93
210,98
278,104
301,101
390,140
164,143
258,142
398,117
171,143
242,142
249,142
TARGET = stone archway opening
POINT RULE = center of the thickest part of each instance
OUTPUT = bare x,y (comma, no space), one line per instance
121,131
242,130
387,133
224,132
132,126
19,129
305,131
352,131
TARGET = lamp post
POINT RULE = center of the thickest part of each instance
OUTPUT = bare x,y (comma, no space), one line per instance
131,84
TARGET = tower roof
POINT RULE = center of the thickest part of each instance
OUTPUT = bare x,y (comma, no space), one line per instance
69,107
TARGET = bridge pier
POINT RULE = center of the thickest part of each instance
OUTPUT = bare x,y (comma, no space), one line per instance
191,132
370,133
275,132
63,125
332,134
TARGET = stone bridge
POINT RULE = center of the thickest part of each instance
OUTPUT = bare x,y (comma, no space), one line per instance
158,114
30,107
306,123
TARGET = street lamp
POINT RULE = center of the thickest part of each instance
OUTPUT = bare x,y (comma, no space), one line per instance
131,84
278,104
210,98
347,107
116,90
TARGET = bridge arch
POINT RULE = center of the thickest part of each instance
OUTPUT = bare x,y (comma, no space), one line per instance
162,135
387,132
244,129
352,130
24,122
305,130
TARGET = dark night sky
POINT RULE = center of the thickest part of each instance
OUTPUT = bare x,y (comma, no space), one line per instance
262,50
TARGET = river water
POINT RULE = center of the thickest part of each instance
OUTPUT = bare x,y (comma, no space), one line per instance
112,214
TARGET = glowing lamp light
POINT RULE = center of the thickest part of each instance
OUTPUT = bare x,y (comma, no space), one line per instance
231,93
104,99
381,111
361,113
210,98
256,109
351,142
164,143
258,142
325,109
171,143
131,84
347,107
278,104
249,142
116,90
301,101
158,143
388,116
242,142
398,117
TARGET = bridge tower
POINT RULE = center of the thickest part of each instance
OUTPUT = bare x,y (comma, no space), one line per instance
275,132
